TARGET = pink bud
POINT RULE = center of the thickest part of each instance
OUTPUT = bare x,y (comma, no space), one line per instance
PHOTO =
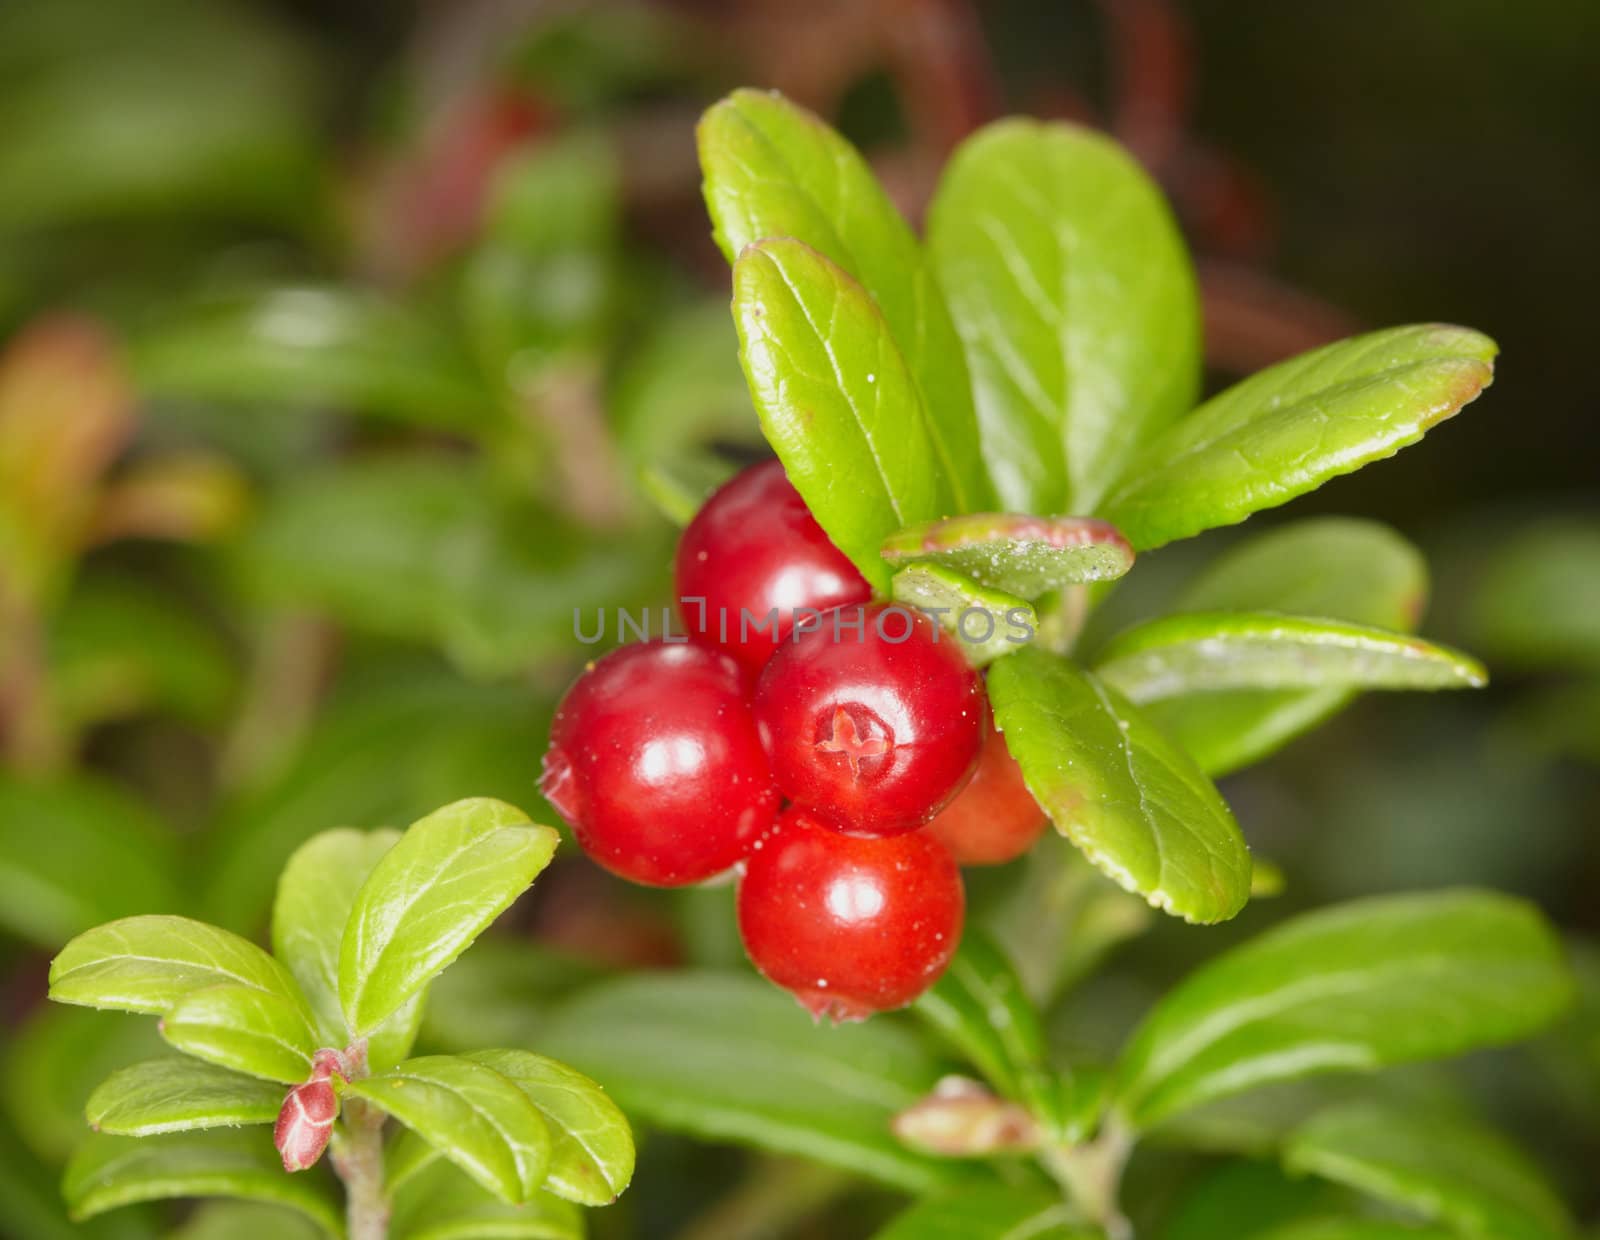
305,1123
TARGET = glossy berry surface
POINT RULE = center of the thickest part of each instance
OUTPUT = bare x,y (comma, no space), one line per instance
755,547
850,924
873,728
655,763
994,819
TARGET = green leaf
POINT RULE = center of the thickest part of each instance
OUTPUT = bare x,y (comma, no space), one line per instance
1538,601
430,895
474,1116
1449,1170
988,623
315,895
149,964
591,1153
1212,651
1115,786
1076,300
726,1057
249,1030
440,1203
1353,988
775,170
980,1008
988,1212
1353,570
836,400
314,346
108,1172
75,852
171,1095
1026,556
1295,425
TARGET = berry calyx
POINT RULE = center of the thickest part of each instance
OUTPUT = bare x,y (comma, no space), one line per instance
655,763
752,557
849,924
871,719
994,819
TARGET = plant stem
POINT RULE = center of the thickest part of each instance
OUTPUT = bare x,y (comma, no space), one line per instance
1091,1174
359,1162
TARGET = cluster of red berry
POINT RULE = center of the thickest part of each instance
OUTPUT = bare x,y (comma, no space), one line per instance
672,761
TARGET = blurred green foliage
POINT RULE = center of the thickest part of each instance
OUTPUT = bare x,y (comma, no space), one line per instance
400,334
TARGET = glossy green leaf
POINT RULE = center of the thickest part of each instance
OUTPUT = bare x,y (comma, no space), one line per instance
836,400
1450,1170
775,170
1537,603
474,1116
1026,556
314,346
315,895
988,623
591,1153
1218,651
729,1058
1290,428
1354,570
1076,300
150,963
75,852
1353,988
108,1172
243,1028
988,1212
979,1006
448,878
1115,786
174,1094
439,1202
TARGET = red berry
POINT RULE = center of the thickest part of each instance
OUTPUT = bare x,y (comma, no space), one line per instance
655,762
850,924
755,548
993,819
872,719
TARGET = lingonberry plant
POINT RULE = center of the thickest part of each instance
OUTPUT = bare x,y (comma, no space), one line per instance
315,1040
990,430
